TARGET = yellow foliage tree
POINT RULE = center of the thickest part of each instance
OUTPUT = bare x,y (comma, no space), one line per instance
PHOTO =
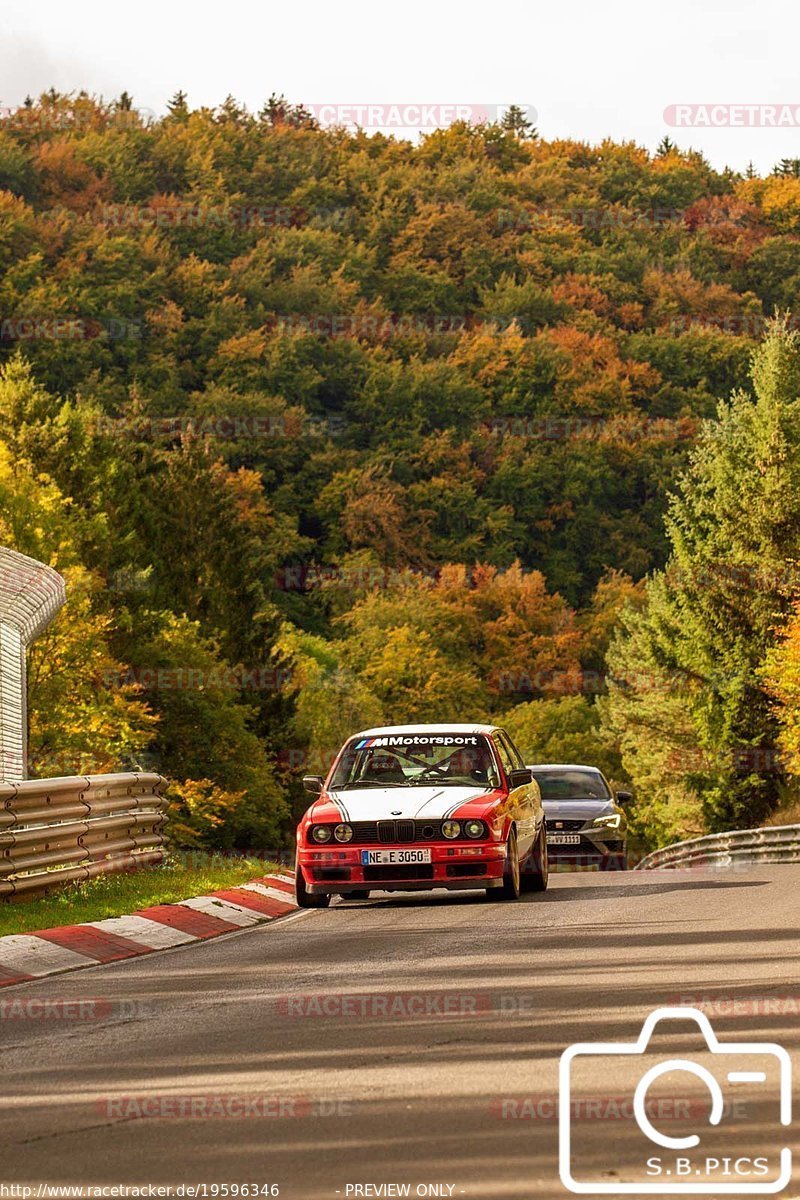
80,721
782,677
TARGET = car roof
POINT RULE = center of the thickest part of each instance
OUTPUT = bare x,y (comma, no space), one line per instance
383,730
563,767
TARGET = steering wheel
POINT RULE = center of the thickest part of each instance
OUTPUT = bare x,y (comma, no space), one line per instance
437,770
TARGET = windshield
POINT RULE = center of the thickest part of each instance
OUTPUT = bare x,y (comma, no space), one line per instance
571,785
411,759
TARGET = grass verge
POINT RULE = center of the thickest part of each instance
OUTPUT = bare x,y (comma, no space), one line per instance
194,874
787,814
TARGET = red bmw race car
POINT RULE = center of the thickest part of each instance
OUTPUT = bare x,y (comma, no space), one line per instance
414,807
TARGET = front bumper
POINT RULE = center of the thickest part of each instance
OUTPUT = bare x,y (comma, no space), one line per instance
337,870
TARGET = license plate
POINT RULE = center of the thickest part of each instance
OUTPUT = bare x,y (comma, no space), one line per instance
370,858
563,839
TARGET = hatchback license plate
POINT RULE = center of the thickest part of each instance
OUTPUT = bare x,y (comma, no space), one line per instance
563,839
374,858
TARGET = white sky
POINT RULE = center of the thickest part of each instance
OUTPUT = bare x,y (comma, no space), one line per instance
590,69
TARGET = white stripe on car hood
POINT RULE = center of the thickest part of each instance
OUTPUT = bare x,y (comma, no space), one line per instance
378,804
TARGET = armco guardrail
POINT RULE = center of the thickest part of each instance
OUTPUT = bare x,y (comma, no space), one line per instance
63,830
770,844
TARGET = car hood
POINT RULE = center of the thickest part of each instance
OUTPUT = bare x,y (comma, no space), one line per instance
566,810
377,804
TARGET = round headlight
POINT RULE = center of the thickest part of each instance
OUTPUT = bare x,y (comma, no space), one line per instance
321,833
451,829
343,833
474,829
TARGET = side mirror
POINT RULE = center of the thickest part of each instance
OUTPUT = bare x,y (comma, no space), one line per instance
520,776
313,783
624,797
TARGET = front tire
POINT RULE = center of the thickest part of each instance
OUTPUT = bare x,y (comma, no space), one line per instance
536,879
511,878
303,896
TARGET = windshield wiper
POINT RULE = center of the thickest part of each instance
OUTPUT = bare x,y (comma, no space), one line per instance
451,783
368,783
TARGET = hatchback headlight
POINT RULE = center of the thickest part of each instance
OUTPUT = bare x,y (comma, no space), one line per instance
475,829
321,833
451,829
343,833
610,822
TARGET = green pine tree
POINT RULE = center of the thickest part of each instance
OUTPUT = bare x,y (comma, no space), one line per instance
178,106
686,699
787,168
515,119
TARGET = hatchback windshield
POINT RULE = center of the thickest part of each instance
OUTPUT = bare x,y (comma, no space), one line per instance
571,785
424,759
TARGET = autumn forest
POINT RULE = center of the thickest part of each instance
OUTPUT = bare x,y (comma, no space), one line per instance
327,430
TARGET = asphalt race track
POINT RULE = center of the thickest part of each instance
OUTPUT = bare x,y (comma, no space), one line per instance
442,1068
